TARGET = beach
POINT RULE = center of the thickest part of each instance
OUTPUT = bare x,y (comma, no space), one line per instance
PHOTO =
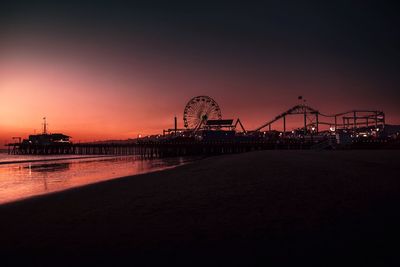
24,177
282,207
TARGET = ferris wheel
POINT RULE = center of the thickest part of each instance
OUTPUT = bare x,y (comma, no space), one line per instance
198,110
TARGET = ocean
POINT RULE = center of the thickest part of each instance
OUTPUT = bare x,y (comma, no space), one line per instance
23,176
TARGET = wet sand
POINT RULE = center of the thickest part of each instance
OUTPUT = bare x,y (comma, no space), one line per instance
281,207
52,159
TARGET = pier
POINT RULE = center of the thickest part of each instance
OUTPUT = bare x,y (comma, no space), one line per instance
155,149
206,132
170,148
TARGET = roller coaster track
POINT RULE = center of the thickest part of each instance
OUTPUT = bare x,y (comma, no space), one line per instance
355,118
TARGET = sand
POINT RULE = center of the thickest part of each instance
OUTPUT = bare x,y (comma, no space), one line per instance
283,207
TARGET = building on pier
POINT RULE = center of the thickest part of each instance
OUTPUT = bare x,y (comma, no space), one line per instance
46,139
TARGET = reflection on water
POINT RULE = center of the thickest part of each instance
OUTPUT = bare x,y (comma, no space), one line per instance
51,167
25,179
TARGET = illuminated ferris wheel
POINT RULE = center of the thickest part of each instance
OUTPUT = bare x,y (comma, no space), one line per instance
200,109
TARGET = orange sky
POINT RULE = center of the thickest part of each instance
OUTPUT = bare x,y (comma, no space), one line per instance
90,95
109,70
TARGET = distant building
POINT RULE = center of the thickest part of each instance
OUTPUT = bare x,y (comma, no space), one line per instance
47,139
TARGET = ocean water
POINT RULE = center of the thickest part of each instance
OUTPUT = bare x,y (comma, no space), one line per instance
6,158
26,176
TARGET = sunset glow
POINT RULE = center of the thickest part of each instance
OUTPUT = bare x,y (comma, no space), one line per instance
96,84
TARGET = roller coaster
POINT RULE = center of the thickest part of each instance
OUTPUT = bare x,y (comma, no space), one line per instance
313,119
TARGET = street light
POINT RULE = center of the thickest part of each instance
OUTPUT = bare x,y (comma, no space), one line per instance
312,133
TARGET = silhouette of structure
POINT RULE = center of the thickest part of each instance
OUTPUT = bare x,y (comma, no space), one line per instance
198,110
353,119
206,133
44,125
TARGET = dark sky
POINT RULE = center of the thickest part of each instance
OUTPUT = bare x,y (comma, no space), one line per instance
254,58
361,30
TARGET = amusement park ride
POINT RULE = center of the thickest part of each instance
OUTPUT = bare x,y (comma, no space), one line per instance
202,116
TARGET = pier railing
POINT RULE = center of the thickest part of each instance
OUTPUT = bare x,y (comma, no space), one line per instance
167,148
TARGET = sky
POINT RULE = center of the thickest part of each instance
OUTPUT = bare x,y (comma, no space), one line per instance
116,69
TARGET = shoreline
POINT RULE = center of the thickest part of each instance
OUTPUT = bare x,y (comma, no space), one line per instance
79,187
111,178
57,159
256,207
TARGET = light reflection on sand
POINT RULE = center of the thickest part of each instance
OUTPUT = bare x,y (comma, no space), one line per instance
21,180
